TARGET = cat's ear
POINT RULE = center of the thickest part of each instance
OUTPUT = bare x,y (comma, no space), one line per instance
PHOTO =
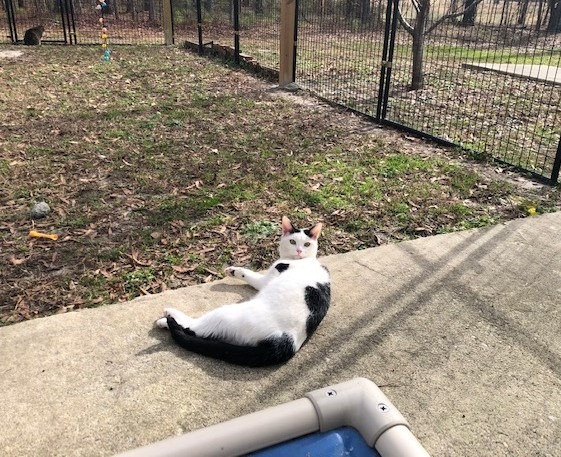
286,226
315,231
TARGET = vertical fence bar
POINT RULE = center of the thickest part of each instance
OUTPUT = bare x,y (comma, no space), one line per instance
64,19
556,165
385,59
200,27
237,32
167,22
286,72
389,57
72,22
11,21
296,12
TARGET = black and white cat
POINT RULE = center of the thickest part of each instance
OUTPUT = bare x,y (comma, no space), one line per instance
293,298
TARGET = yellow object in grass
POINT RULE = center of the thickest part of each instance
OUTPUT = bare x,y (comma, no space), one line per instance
532,211
36,234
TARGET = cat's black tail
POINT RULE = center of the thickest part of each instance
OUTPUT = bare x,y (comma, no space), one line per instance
272,351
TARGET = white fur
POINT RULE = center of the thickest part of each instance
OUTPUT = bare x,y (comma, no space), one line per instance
279,306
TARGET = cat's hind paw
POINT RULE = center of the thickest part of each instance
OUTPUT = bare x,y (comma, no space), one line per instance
181,318
161,323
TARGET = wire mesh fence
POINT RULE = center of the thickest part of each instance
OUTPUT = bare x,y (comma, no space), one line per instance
472,84
17,16
185,22
340,47
77,21
482,74
260,31
254,26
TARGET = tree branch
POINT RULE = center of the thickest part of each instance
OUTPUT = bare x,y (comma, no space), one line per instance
451,16
408,27
416,5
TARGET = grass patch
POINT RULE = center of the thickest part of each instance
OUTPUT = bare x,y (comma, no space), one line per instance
260,229
453,52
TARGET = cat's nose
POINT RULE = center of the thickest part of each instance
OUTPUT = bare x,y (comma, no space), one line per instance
299,251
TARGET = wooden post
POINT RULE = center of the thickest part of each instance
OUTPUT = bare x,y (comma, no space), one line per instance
167,22
287,19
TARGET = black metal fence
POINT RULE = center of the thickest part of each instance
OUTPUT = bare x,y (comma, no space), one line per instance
481,74
233,28
77,21
488,81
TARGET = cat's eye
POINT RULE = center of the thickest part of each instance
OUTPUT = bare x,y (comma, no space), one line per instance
307,244
292,241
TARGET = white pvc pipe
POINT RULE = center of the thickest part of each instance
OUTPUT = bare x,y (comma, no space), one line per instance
357,403
240,435
398,441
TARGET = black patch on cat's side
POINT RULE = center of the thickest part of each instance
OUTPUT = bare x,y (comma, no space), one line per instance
317,299
272,351
280,267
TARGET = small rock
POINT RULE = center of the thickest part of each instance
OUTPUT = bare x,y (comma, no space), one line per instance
40,210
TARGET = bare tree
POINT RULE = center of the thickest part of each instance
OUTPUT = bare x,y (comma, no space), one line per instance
554,23
470,13
358,9
522,12
419,29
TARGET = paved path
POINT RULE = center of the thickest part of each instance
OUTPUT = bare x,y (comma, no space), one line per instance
461,331
535,72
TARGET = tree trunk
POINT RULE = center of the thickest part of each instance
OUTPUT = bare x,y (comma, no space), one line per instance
418,76
418,34
116,10
468,20
258,7
365,11
539,20
522,12
554,24
349,8
149,5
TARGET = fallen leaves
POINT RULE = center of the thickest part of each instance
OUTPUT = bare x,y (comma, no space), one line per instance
142,206
134,256
15,261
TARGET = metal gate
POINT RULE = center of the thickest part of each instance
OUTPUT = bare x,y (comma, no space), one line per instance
77,21
57,16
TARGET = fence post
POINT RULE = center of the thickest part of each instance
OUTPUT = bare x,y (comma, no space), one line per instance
167,22
200,26
287,51
10,11
237,32
556,165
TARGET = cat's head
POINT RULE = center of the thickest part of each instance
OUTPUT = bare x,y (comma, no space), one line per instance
298,244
